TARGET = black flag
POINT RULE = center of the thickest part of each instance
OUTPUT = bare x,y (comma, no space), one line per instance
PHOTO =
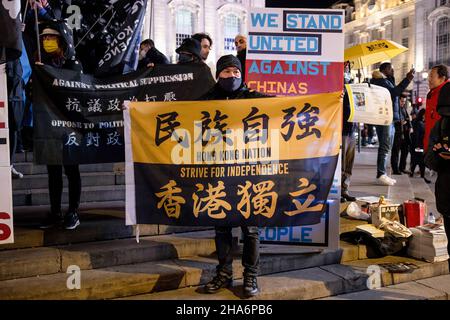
11,34
123,49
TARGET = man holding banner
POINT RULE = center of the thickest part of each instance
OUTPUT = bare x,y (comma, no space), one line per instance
231,86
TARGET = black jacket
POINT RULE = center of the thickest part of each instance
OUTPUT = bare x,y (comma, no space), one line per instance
153,56
395,91
441,166
417,135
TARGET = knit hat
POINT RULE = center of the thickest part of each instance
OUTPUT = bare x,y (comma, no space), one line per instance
190,45
227,61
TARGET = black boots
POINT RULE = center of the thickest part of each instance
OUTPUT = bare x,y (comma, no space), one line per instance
250,286
217,283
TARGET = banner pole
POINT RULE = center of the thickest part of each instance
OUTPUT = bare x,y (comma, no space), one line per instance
36,25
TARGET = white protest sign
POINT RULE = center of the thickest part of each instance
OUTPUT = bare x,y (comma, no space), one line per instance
369,104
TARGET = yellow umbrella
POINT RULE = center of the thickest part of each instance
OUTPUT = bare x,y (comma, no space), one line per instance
366,54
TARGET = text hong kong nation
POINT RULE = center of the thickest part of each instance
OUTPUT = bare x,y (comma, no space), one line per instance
258,161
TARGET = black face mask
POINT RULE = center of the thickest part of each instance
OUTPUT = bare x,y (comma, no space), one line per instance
183,58
230,84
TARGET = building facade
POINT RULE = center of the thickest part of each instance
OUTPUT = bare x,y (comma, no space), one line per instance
384,19
423,26
433,38
168,22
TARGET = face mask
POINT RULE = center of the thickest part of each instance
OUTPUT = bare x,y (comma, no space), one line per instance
50,46
230,84
185,58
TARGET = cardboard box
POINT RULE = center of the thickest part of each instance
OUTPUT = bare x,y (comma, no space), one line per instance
6,214
4,148
388,211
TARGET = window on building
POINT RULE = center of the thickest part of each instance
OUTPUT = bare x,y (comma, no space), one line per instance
232,27
443,40
405,22
405,42
184,21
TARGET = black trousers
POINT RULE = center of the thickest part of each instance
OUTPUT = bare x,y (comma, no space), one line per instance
417,159
399,149
250,255
55,186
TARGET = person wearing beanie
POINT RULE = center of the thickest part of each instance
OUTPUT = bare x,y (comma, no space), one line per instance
189,51
230,86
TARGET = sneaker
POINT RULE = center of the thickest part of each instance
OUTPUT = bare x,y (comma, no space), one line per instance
217,283
52,220
71,220
250,286
385,180
16,174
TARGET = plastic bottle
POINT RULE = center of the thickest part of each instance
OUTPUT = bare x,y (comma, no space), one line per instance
431,218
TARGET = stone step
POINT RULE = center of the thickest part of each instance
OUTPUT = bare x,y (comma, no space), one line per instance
142,278
28,168
96,225
88,179
306,284
436,288
24,263
88,194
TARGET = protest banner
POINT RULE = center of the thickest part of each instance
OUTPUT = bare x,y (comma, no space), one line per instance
369,104
6,213
295,51
298,52
79,120
269,161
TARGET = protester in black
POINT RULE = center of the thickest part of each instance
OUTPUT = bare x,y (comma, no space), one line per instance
405,129
231,86
417,149
149,55
189,51
53,55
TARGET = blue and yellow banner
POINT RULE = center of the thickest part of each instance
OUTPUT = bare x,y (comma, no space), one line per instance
263,162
